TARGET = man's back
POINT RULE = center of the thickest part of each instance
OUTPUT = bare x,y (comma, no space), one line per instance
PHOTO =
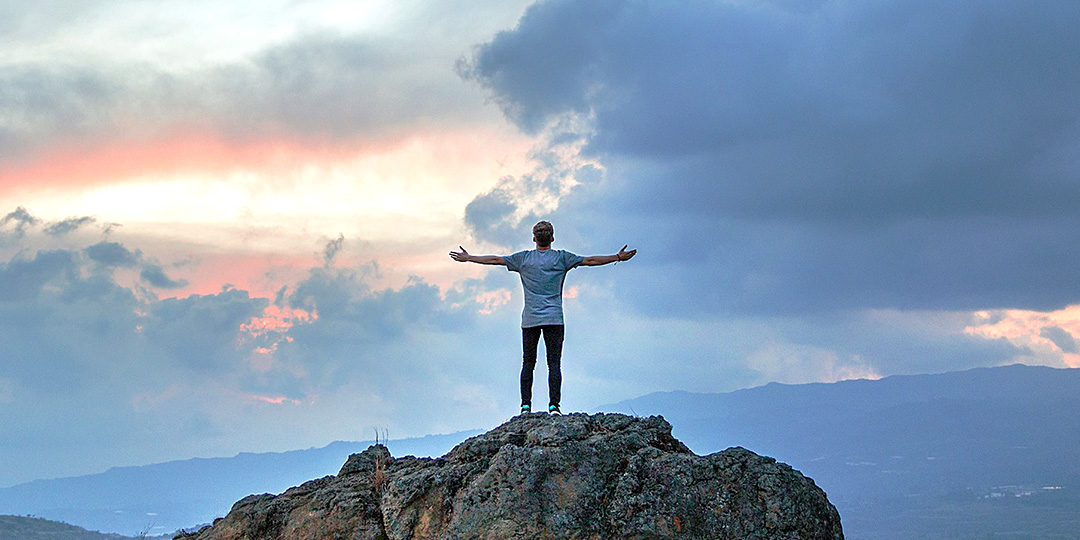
543,272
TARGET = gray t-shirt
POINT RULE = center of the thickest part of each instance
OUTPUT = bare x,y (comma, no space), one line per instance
542,275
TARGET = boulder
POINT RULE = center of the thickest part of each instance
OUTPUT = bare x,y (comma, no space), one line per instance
578,476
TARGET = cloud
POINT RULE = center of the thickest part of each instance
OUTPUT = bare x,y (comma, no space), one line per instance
490,214
60,228
59,325
1063,339
108,255
15,19
52,102
1043,338
173,323
129,378
112,254
844,155
156,277
321,89
817,190
21,220
79,347
331,250
505,214
24,278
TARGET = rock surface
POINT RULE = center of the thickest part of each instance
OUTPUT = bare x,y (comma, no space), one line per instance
603,477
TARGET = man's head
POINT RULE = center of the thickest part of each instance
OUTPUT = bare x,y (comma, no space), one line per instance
543,234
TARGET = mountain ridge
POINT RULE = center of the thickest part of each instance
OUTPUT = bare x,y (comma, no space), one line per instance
34,528
884,448
777,419
125,499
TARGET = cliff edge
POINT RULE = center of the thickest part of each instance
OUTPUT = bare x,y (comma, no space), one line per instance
603,477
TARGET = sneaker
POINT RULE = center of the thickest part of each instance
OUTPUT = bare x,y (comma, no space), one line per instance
525,409
554,410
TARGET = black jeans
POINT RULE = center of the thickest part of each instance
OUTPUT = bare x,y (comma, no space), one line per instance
553,338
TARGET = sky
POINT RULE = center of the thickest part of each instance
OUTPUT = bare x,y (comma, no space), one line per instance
224,225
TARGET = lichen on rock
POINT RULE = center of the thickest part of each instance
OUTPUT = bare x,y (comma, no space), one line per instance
602,477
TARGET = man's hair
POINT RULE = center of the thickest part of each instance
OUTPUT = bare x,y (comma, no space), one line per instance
543,233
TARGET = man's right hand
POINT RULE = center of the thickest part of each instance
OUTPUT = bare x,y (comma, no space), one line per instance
460,256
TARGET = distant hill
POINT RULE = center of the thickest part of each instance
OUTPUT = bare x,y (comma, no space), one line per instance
165,497
30,528
977,452
962,455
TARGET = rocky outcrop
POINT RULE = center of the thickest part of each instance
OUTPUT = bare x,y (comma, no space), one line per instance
603,477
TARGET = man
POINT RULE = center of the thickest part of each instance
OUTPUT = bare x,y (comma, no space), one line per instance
543,271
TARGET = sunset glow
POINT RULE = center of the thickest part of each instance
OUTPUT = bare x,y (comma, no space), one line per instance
379,192
225,225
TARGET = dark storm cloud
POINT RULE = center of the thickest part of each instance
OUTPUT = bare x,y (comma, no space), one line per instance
851,154
699,265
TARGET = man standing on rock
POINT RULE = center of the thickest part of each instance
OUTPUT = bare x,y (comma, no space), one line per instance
543,271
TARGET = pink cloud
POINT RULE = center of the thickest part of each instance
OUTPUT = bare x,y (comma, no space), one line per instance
492,300
88,165
261,274
1028,329
277,319
275,400
271,329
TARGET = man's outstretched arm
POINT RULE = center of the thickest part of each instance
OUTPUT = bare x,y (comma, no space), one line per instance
463,256
599,260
